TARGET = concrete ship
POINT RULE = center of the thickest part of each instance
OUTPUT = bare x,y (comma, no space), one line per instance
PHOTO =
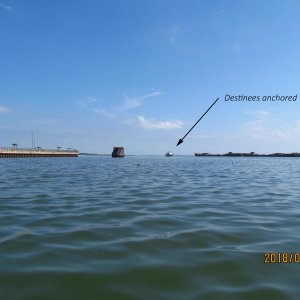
36,152
118,152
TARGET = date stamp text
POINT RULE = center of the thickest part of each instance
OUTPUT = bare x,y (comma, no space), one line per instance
281,258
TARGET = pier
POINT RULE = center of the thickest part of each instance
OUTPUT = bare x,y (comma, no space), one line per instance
36,152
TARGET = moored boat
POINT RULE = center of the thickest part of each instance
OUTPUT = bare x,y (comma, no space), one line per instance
169,154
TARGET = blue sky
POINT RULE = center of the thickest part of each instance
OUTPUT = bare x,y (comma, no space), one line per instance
96,74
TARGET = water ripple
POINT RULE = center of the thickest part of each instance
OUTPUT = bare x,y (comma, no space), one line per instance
170,228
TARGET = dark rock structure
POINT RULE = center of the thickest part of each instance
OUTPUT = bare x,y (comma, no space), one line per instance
118,152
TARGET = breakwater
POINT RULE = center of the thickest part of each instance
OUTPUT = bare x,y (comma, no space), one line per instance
251,154
24,152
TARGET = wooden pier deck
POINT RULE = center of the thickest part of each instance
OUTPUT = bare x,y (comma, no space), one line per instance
19,152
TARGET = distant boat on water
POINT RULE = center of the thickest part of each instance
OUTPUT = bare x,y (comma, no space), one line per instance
169,154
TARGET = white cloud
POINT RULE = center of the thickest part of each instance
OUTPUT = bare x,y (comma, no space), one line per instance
5,7
153,124
131,103
4,109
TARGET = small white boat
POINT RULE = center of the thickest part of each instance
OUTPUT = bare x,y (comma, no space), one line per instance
169,154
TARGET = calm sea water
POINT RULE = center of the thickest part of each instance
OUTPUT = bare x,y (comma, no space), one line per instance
149,228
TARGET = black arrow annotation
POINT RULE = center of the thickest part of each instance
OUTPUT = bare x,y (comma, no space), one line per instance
181,140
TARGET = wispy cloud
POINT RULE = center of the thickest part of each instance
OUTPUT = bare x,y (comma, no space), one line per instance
131,103
174,35
221,12
93,104
236,46
104,112
257,128
5,7
84,103
153,124
264,128
203,136
4,109
232,136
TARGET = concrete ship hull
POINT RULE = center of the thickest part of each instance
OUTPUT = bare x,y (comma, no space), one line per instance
118,152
